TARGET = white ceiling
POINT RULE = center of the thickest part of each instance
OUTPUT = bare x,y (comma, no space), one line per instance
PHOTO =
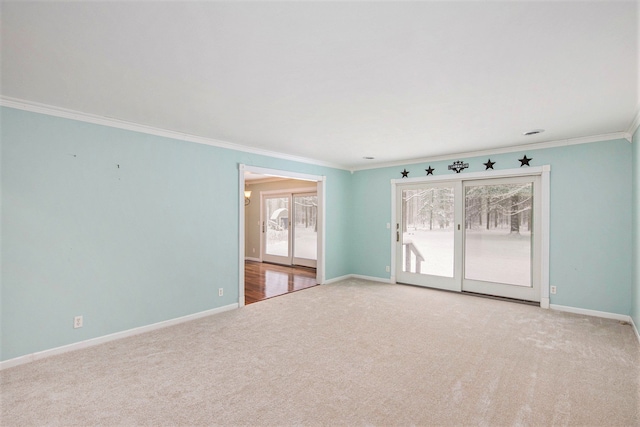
334,81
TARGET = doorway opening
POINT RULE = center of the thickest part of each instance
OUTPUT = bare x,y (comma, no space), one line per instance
281,232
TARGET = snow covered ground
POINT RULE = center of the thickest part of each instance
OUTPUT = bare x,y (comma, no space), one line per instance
436,246
306,243
491,255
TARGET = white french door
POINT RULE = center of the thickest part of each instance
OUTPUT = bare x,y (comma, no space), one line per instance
501,243
290,228
427,236
475,235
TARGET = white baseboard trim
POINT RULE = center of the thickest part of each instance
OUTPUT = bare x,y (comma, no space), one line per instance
20,360
371,278
544,302
356,276
635,328
248,258
594,313
336,279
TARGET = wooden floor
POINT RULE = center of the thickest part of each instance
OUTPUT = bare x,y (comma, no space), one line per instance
263,280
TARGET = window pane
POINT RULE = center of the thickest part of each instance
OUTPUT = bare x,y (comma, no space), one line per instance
498,225
428,231
306,227
277,226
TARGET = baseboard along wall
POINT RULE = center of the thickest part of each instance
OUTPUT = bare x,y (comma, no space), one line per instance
111,337
635,329
356,276
594,313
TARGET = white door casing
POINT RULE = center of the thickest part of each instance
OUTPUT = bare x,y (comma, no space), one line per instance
321,191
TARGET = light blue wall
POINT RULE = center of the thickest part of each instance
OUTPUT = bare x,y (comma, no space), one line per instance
154,238
124,228
590,219
635,296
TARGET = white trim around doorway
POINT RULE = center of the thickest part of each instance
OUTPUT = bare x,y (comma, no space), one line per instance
321,190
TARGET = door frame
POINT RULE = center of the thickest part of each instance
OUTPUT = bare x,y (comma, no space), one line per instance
321,184
542,171
291,193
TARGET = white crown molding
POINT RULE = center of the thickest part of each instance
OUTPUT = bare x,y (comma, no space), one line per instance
122,124
635,123
509,149
35,107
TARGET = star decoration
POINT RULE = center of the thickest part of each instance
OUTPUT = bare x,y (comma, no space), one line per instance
524,161
405,173
489,164
430,170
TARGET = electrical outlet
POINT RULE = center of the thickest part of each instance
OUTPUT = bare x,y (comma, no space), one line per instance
220,292
77,322
388,269
552,289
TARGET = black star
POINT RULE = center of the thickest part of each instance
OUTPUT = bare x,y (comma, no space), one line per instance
405,173
489,164
524,161
430,170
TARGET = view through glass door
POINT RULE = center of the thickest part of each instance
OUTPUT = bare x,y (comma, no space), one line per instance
476,236
305,230
290,228
500,256
275,227
426,235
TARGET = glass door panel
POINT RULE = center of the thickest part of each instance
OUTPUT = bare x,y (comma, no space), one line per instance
498,233
305,229
276,229
499,238
427,231
426,235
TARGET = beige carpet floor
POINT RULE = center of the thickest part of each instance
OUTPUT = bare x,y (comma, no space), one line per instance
352,353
